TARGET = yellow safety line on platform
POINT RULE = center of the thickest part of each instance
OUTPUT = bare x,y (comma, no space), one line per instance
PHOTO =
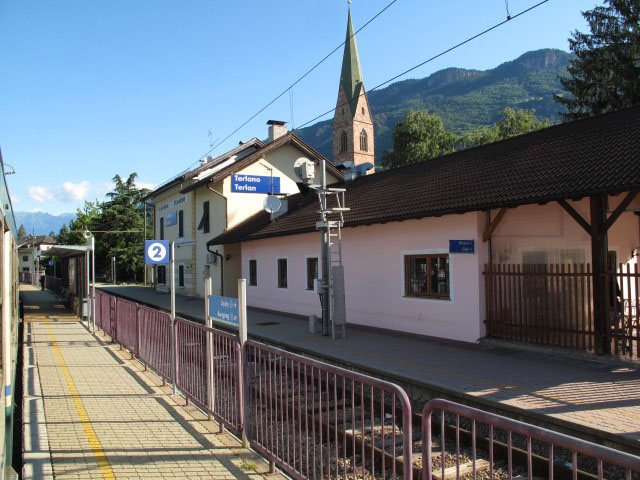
94,443
493,383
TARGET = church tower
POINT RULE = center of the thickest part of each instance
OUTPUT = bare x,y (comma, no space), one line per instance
352,123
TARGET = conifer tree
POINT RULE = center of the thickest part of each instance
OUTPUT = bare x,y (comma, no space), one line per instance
605,75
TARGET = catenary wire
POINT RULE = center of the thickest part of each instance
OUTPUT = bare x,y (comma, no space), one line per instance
276,98
395,77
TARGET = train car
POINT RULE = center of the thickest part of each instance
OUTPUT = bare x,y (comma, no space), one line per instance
9,284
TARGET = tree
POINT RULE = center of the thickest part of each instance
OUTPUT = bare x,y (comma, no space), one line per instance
121,213
514,122
605,75
21,232
117,225
419,136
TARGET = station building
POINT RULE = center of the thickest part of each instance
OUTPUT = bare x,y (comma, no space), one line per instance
219,195
562,197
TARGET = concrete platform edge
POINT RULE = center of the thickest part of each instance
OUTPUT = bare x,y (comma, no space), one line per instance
36,454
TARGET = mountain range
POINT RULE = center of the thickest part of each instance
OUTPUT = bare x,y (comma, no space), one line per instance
465,99
41,223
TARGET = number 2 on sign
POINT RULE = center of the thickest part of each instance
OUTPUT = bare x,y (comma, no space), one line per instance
157,252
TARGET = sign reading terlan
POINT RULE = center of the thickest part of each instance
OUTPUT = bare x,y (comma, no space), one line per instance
461,246
254,184
223,309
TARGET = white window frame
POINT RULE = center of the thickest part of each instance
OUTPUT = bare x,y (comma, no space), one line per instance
278,269
426,251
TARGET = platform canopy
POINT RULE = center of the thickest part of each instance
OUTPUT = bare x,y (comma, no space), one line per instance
67,250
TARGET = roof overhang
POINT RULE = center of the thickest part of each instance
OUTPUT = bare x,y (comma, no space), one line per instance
67,250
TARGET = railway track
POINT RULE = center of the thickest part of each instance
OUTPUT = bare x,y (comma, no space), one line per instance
358,433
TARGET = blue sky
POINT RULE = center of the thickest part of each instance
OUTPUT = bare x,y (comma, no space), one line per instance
90,89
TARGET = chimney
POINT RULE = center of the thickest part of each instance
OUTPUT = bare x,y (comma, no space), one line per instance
276,129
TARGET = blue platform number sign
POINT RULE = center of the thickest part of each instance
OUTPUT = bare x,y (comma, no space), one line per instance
223,309
242,183
156,252
461,246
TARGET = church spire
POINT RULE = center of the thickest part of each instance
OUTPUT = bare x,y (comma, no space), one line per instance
351,75
352,123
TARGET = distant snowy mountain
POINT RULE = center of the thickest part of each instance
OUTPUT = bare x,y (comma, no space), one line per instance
41,223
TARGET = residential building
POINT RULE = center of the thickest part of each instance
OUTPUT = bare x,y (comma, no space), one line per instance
29,248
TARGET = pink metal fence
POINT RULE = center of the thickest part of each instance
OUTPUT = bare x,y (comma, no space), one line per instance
154,340
213,383
53,284
464,442
319,421
106,305
127,325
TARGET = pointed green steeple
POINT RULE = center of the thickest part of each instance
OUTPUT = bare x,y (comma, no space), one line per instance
351,75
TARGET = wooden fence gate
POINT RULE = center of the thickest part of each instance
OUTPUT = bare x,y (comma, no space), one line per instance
553,305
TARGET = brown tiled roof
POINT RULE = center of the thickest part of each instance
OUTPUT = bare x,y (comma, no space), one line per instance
570,160
36,240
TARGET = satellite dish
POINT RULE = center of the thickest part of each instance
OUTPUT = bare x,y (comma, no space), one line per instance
272,203
304,170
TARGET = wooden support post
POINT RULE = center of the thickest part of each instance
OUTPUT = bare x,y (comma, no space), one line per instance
492,226
599,248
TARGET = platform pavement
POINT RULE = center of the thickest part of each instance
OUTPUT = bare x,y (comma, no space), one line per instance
580,395
92,413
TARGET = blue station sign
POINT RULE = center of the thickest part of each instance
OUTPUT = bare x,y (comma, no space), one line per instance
242,183
461,246
156,252
223,309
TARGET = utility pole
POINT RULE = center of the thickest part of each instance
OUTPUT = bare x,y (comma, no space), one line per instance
144,207
113,268
173,318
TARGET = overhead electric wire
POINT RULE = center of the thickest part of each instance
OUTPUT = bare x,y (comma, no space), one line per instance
277,97
429,60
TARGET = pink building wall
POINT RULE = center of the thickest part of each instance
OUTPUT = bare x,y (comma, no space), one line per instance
528,229
373,257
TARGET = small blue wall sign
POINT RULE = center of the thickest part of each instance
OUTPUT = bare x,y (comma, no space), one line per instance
223,309
171,219
242,183
461,246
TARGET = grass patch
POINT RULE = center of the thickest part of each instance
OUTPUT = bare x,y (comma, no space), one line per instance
248,466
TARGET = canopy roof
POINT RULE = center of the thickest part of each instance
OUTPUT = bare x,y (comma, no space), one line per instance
67,250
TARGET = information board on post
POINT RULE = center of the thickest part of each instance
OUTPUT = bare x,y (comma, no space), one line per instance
224,310
242,183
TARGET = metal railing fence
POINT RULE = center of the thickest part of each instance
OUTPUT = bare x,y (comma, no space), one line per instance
461,441
154,340
209,374
53,284
316,420
126,333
